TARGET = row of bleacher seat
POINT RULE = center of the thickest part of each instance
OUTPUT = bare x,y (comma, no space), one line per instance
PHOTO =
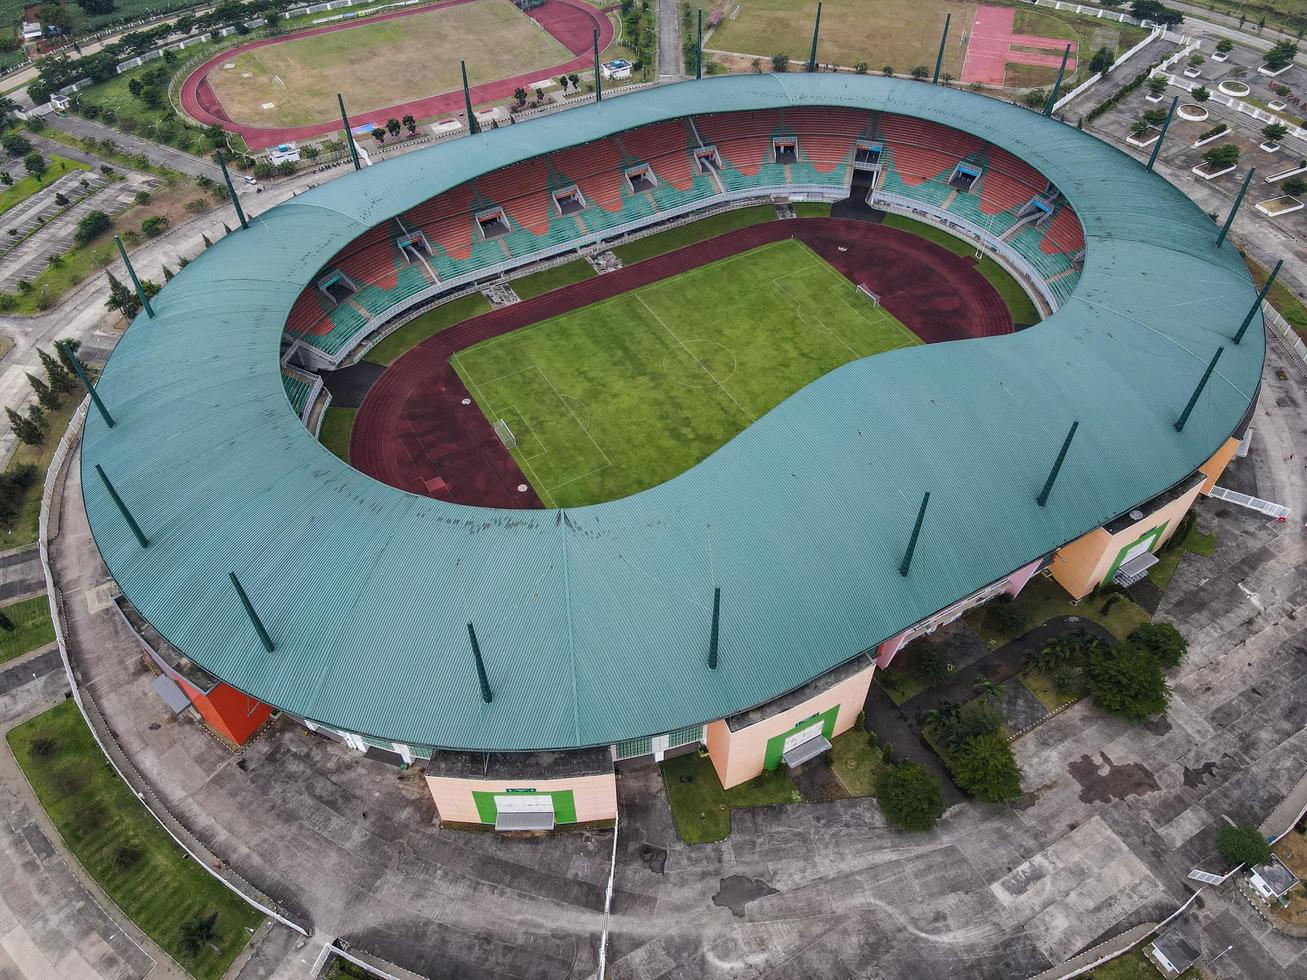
297,385
917,160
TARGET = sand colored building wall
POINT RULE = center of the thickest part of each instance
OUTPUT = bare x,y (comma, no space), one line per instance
594,797
739,755
1081,566
233,715
1215,466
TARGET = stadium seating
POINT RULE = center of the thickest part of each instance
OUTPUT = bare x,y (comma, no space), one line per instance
669,149
1065,234
298,385
744,142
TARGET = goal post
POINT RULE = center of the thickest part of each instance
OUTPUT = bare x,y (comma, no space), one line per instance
875,300
505,434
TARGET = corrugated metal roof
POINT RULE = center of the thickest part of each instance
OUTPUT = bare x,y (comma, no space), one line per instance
594,622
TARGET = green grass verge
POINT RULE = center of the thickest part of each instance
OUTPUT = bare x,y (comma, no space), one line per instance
1019,304
897,681
812,209
29,185
32,627
1043,599
624,394
1134,965
24,529
695,231
1088,33
1282,298
77,265
1169,559
337,424
555,278
702,809
1041,686
427,325
129,855
855,759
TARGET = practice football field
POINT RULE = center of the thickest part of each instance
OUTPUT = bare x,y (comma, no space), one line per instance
625,394
381,64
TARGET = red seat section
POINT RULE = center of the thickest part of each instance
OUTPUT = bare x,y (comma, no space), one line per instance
523,191
596,168
743,138
666,148
827,136
370,258
1065,235
1008,182
447,221
925,150
307,315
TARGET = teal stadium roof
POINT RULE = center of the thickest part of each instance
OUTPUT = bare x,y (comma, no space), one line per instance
594,622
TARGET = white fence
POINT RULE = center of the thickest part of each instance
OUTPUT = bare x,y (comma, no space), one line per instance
1079,8
1157,32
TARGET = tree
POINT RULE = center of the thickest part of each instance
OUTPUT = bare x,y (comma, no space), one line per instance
519,96
909,796
1281,55
1157,84
1275,132
24,429
1163,641
410,124
1221,157
986,768
1155,11
928,664
1125,680
16,144
392,126
311,152
953,729
135,86
1225,45
46,398
35,164
6,178
1242,845
920,72
887,71
379,135
197,932
121,298
780,62
1101,63
1155,117
154,225
67,349
1295,186
1195,60
92,226
1035,98
59,375
1008,616
1201,94
861,68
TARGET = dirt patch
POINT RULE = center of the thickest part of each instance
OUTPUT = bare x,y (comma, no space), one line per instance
737,891
1102,782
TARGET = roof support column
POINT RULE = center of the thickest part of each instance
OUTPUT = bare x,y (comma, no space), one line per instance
712,639
1042,499
1193,399
486,695
1157,147
349,137
906,564
473,127
1234,209
599,75
816,29
122,507
86,383
140,293
698,49
1257,303
939,58
235,201
1057,83
264,638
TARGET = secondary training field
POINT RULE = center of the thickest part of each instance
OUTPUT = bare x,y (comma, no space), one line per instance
651,374
284,88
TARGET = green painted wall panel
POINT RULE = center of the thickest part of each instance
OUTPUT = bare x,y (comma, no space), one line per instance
776,744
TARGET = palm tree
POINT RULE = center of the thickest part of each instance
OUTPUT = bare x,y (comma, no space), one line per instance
987,689
197,932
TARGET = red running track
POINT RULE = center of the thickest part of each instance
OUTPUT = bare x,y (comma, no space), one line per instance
571,22
413,426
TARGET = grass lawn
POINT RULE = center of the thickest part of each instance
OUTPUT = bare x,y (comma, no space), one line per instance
1020,305
695,231
903,33
897,681
382,63
555,278
337,424
1088,34
811,209
21,190
1169,559
1039,684
1043,599
33,628
702,809
24,530
427,325
855,759
121,846
1284,299
625,394
1135,966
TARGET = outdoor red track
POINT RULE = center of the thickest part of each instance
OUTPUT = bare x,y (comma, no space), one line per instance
571,22
413,425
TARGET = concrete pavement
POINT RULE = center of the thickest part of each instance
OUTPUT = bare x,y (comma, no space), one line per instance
671,58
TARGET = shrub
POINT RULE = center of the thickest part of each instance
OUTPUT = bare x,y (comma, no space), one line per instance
909,796
888,71
1220,157
928,664
861,68
1035,97
1274,132
1216,130
780,62
1008,616
1162,641
920,73
986,768
1225,45
154,225
1201,94
1126,680
16,144
35,164
1295,186
1242,845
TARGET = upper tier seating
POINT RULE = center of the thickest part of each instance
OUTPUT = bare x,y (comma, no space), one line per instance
744,142
297,385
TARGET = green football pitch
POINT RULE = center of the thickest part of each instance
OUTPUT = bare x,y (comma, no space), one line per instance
625,394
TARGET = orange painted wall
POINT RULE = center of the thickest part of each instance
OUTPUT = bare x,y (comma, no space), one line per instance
1215,466
233,715
738,756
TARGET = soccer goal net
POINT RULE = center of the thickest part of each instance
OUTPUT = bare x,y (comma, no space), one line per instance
505,434
875,300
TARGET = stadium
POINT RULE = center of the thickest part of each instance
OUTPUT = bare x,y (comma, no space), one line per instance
524,604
